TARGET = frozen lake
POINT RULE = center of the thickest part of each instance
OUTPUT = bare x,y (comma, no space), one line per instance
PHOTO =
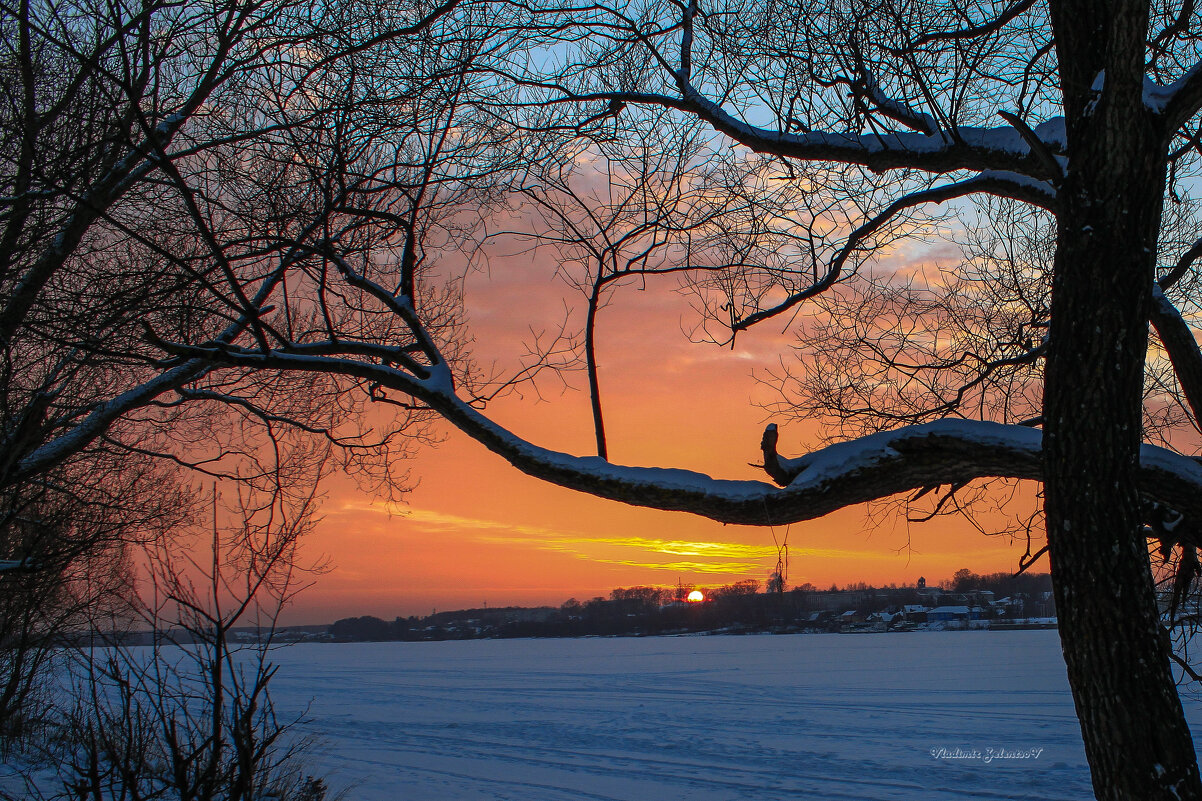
860,717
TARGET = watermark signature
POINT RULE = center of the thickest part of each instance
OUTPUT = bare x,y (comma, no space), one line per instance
986,755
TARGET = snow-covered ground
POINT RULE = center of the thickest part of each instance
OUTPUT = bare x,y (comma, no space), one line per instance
863,717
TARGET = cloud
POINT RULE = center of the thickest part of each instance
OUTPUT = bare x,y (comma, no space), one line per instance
731,558
715,550
430,519
712,557
716,568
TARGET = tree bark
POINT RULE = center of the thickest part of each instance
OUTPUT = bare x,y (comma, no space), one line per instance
1136,738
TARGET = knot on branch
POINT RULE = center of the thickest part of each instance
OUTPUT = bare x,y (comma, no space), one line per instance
772,464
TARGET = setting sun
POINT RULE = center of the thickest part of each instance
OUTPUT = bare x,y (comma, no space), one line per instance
695,597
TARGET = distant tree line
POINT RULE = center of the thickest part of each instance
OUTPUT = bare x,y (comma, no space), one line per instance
646,611
1000,584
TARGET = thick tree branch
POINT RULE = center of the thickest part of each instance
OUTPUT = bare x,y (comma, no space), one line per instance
1182,348
59,449
837,476
1182,266
1178,101
841,475
964,148
1041,151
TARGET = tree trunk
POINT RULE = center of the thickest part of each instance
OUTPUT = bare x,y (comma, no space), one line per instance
1138,744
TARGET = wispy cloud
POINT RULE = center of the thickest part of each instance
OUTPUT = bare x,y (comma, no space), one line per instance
729,558
711,557
713,550
431,519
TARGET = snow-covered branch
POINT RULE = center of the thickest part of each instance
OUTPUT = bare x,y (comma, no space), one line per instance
898,111
100,419
1001,149
1178,101
840,475
964,148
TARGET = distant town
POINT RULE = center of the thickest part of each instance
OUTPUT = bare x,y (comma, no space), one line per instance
967,601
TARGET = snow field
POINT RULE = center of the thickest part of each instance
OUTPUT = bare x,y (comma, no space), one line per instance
939,715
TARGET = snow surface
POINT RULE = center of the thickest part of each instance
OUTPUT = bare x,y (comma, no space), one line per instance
704,718
1002,140
1157,97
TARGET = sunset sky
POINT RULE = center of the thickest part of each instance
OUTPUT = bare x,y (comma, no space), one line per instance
477,531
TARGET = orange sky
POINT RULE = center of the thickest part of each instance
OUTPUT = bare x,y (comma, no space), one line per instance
477,531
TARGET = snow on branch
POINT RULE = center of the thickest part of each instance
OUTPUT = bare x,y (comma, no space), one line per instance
840,475
1178,101
964,148
99,419
975,449
837,476
896,110
1001,149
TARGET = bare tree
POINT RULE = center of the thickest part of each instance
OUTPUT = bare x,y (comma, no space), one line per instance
163,168
649,195
190,715
310,235
78,536
613,213
1086,111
